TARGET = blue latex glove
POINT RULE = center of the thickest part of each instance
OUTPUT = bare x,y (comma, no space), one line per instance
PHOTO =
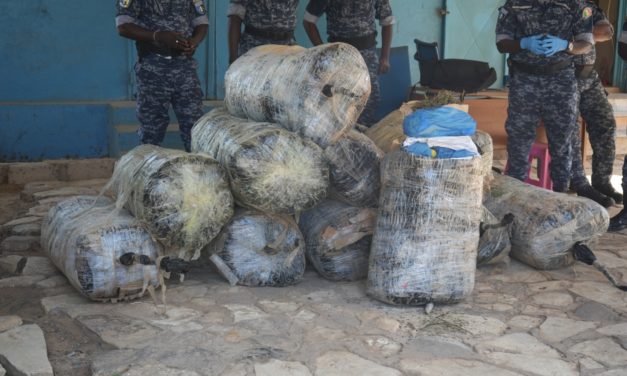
553,45
533,44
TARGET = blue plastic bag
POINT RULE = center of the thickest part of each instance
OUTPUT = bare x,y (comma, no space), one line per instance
423,150
439,122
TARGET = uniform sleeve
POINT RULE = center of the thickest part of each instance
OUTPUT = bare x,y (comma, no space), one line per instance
506,23
237,8
200,12
315,9
582,29
383,12
127,11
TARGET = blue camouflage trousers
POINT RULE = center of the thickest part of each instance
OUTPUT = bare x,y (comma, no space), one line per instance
597,112
367,117
163,82
248,42
552,98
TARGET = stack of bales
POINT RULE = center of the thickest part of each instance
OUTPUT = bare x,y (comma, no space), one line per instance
285,140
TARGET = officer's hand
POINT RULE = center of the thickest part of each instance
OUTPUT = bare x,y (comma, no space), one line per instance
172,39
384,65
553,45
533,44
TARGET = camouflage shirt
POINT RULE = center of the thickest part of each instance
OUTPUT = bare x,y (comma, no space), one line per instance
598,18
566,19
277,15
163,15
350,18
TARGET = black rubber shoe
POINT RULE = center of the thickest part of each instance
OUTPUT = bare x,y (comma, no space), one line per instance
609,191
594,195
619,222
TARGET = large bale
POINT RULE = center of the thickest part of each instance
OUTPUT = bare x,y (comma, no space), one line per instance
269,168
546,224
258,249
424,247
318,93
85,237
183,199
388,134
354,163
338,238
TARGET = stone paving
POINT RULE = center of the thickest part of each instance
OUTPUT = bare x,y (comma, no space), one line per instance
518,321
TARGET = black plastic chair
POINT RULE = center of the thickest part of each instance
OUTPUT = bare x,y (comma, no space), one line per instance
459,75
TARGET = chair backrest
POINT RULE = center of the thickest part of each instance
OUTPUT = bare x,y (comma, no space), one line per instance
426,51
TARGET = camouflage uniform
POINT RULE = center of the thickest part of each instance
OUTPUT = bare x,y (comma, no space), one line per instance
599,117
165,79
348,19
552,97
278,16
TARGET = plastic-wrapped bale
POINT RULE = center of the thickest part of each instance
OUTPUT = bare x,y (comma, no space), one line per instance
388,134
269,168
317,92
486,149
354,163
85,236
258,249
183,199
424,247
494,244
338,238
546,224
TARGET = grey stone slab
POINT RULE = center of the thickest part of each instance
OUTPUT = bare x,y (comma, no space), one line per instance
342,363
557,329
276,367
18,244
452,367
21,281
517,343
534,364
9,322
604,351
23,351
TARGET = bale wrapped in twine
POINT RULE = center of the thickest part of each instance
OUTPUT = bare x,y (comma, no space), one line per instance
85,236
546,224
318,92
338,238
183,199
355,174
424,247
269,168
259,249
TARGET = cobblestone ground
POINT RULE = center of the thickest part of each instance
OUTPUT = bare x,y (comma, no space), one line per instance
518,321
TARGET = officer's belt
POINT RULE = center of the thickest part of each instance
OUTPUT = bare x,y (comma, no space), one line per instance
360,43
584,71
148,48
539,69
269,34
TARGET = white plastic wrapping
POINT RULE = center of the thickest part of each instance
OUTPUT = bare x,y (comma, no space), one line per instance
84,237
424,247
318,92
355,174
338,238
269,168
494,243
486,148
257,249
183,199
546,224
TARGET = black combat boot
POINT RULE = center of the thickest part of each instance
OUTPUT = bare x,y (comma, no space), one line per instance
619,222
609,191
594,195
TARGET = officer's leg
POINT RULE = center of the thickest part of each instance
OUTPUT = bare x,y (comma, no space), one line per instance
601,126
187,100
560,120
367,117
619,222
522,120
153,102
578,174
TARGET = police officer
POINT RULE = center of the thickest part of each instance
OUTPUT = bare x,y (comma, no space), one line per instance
266,22
166,34
541,37
600,123
619,222
353,22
